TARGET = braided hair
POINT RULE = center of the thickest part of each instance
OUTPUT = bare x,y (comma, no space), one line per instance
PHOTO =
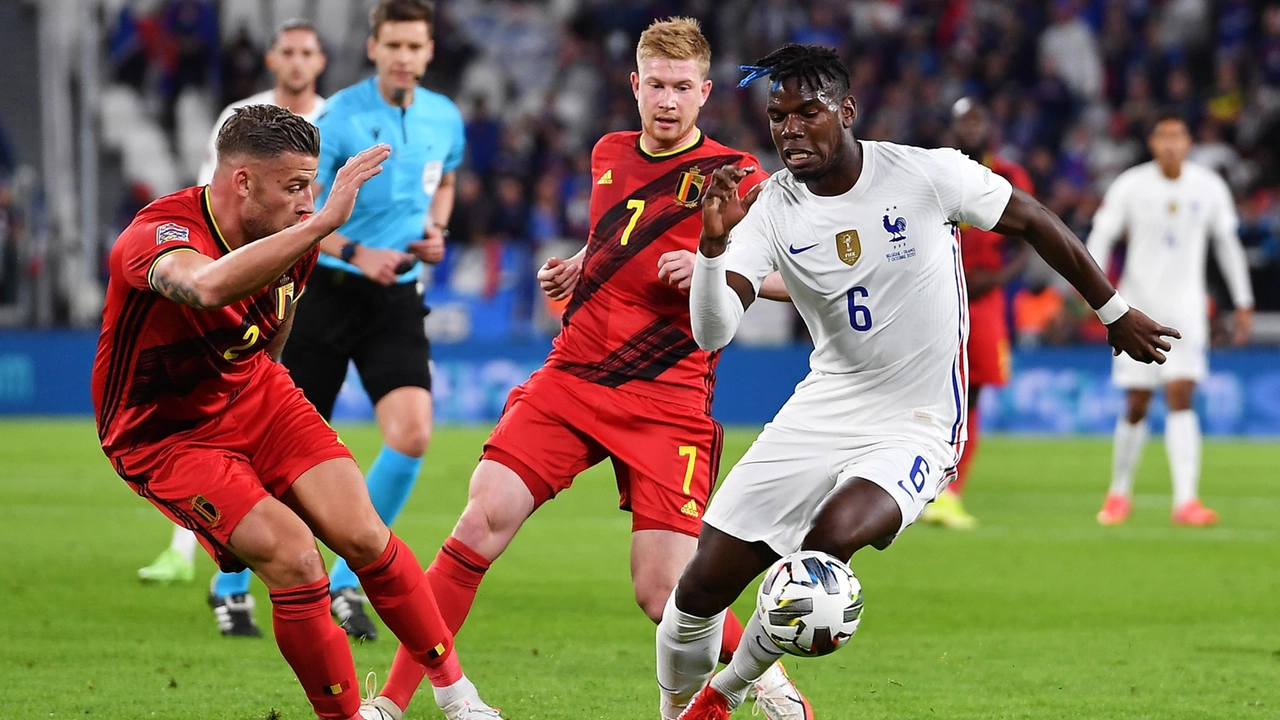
817,66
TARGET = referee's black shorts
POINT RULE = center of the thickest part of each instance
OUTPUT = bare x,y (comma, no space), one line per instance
342,317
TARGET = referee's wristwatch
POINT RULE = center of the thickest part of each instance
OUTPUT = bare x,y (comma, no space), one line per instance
348,251
444,230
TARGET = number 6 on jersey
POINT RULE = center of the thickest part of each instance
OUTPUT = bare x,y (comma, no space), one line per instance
859,315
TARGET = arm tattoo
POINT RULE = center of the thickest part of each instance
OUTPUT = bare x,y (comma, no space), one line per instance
177,291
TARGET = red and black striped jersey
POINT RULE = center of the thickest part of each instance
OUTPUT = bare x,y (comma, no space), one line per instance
623,326
163,367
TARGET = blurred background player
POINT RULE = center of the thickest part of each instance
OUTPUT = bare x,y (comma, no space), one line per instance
363,304
990,261
1169,209
296,60
197,416
875,430
625,380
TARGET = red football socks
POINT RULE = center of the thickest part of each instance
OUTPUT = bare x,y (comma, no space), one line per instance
316,649
397,588
731,637
970,450
454,578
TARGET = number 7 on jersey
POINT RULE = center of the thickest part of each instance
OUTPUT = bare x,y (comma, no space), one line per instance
637,208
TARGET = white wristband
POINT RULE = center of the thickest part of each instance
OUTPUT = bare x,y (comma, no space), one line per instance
1113,310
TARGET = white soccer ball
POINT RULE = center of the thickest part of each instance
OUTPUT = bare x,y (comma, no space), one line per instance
810,603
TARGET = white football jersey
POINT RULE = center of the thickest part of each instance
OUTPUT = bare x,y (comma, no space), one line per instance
1169,224
876,275
267,97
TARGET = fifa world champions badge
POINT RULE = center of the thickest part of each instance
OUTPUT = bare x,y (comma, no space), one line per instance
849,247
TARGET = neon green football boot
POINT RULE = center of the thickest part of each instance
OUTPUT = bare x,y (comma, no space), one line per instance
170,567
948,511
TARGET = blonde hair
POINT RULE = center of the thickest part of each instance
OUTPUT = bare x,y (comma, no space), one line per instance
676,38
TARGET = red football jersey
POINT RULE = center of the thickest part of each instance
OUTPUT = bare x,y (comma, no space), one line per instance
623,326
163,367
983,248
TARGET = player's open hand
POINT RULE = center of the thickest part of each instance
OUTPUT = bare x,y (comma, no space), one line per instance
346,185
722,209
1140,336
559,277
676,268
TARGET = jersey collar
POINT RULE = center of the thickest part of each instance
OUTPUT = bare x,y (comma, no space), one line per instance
213,224
668,154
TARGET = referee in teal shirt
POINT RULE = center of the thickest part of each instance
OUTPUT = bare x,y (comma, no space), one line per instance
362,302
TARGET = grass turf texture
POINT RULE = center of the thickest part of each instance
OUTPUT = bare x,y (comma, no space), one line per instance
1038,614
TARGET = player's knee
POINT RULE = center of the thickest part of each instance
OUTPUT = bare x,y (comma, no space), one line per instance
292,564
698,595
363,543
487,526
498,504
652,598
409,438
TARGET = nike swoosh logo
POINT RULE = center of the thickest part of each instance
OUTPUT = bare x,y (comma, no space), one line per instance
796,251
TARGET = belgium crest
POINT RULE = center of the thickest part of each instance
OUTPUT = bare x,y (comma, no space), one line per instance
689,187
848,246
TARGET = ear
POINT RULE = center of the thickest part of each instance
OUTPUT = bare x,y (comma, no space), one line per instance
635,84
241,181
431,50
706,92
848,111
269,58
369,45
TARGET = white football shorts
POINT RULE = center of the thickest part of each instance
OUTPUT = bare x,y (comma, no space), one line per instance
1187,359
771,495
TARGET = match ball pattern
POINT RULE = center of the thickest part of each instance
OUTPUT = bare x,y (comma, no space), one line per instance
810,603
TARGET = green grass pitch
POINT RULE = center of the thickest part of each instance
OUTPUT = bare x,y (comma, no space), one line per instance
1038,614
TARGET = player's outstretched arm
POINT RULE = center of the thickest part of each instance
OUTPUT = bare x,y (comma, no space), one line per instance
202,282
718,298
1128,329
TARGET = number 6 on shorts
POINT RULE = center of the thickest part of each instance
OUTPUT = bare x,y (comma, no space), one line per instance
919,475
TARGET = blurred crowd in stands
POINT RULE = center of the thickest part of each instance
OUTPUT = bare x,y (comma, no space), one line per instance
1072,85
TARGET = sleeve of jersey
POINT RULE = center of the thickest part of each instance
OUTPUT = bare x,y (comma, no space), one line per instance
750,252
1227,248
715,310
970,192
1108,223
143,245
458,147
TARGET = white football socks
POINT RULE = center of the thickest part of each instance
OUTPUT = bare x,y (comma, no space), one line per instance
688,646
1182,443
1129,439
461,690
754,656
184,541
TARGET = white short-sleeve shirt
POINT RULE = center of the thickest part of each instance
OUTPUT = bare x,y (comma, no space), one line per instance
876,275
1169,224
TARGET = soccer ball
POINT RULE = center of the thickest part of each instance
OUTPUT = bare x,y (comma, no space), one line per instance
810,603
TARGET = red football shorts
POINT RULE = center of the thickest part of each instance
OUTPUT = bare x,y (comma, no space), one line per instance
208,478
989,358
665,456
